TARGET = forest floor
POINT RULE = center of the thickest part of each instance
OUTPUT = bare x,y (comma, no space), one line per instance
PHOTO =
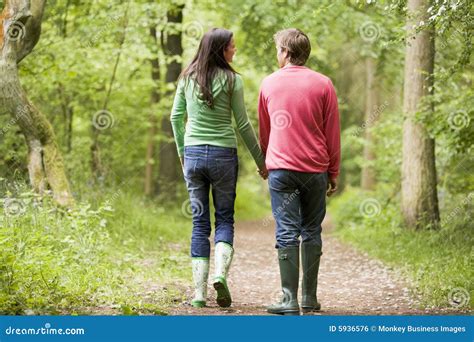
350,282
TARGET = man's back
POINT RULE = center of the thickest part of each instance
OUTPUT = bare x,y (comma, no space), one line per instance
299,121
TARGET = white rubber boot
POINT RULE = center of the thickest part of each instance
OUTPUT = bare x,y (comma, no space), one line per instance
223,258
200,276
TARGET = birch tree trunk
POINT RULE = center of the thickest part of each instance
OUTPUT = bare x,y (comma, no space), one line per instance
371,112
419,194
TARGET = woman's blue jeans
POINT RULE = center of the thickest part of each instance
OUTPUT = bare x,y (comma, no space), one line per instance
212,168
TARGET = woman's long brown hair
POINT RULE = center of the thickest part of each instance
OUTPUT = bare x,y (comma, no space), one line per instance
209,61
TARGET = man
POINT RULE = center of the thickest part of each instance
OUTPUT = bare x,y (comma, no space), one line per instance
300,137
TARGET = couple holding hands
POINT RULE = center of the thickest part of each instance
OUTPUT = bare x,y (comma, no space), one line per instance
298,151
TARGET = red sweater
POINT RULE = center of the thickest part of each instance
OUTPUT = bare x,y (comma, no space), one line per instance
299,121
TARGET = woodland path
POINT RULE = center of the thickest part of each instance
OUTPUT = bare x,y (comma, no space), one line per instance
350,282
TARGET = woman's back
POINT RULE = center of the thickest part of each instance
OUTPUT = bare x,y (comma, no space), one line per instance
207,125
213,126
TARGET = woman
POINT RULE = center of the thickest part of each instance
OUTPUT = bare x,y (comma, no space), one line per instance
209,91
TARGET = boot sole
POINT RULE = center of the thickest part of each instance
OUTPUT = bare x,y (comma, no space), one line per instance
310,309
223,299
285,313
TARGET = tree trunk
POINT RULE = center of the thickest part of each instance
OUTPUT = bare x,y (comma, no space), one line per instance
97,167
153,122
173,49
419,194
371,113
68,111
20,30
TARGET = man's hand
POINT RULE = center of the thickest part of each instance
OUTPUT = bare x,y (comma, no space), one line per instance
263,173
332,187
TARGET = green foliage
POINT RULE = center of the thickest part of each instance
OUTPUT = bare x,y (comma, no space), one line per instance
437,261
57,261
52,260
387,134
121,254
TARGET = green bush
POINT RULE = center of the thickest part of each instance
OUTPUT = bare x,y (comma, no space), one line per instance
439,261
114,250
52,259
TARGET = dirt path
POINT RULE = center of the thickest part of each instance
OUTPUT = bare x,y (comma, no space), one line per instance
349,282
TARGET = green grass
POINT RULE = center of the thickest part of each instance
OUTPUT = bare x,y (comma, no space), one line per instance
122,255
253,199
440,262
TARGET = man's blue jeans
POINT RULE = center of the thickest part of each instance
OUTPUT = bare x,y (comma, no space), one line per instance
207,167
298,205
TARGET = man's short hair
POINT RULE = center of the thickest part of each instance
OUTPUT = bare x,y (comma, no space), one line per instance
296,43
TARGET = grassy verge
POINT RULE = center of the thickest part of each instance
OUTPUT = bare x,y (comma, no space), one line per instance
122,255
439,261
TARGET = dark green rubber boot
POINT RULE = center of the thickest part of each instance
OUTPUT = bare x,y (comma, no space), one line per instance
289,261
310,256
